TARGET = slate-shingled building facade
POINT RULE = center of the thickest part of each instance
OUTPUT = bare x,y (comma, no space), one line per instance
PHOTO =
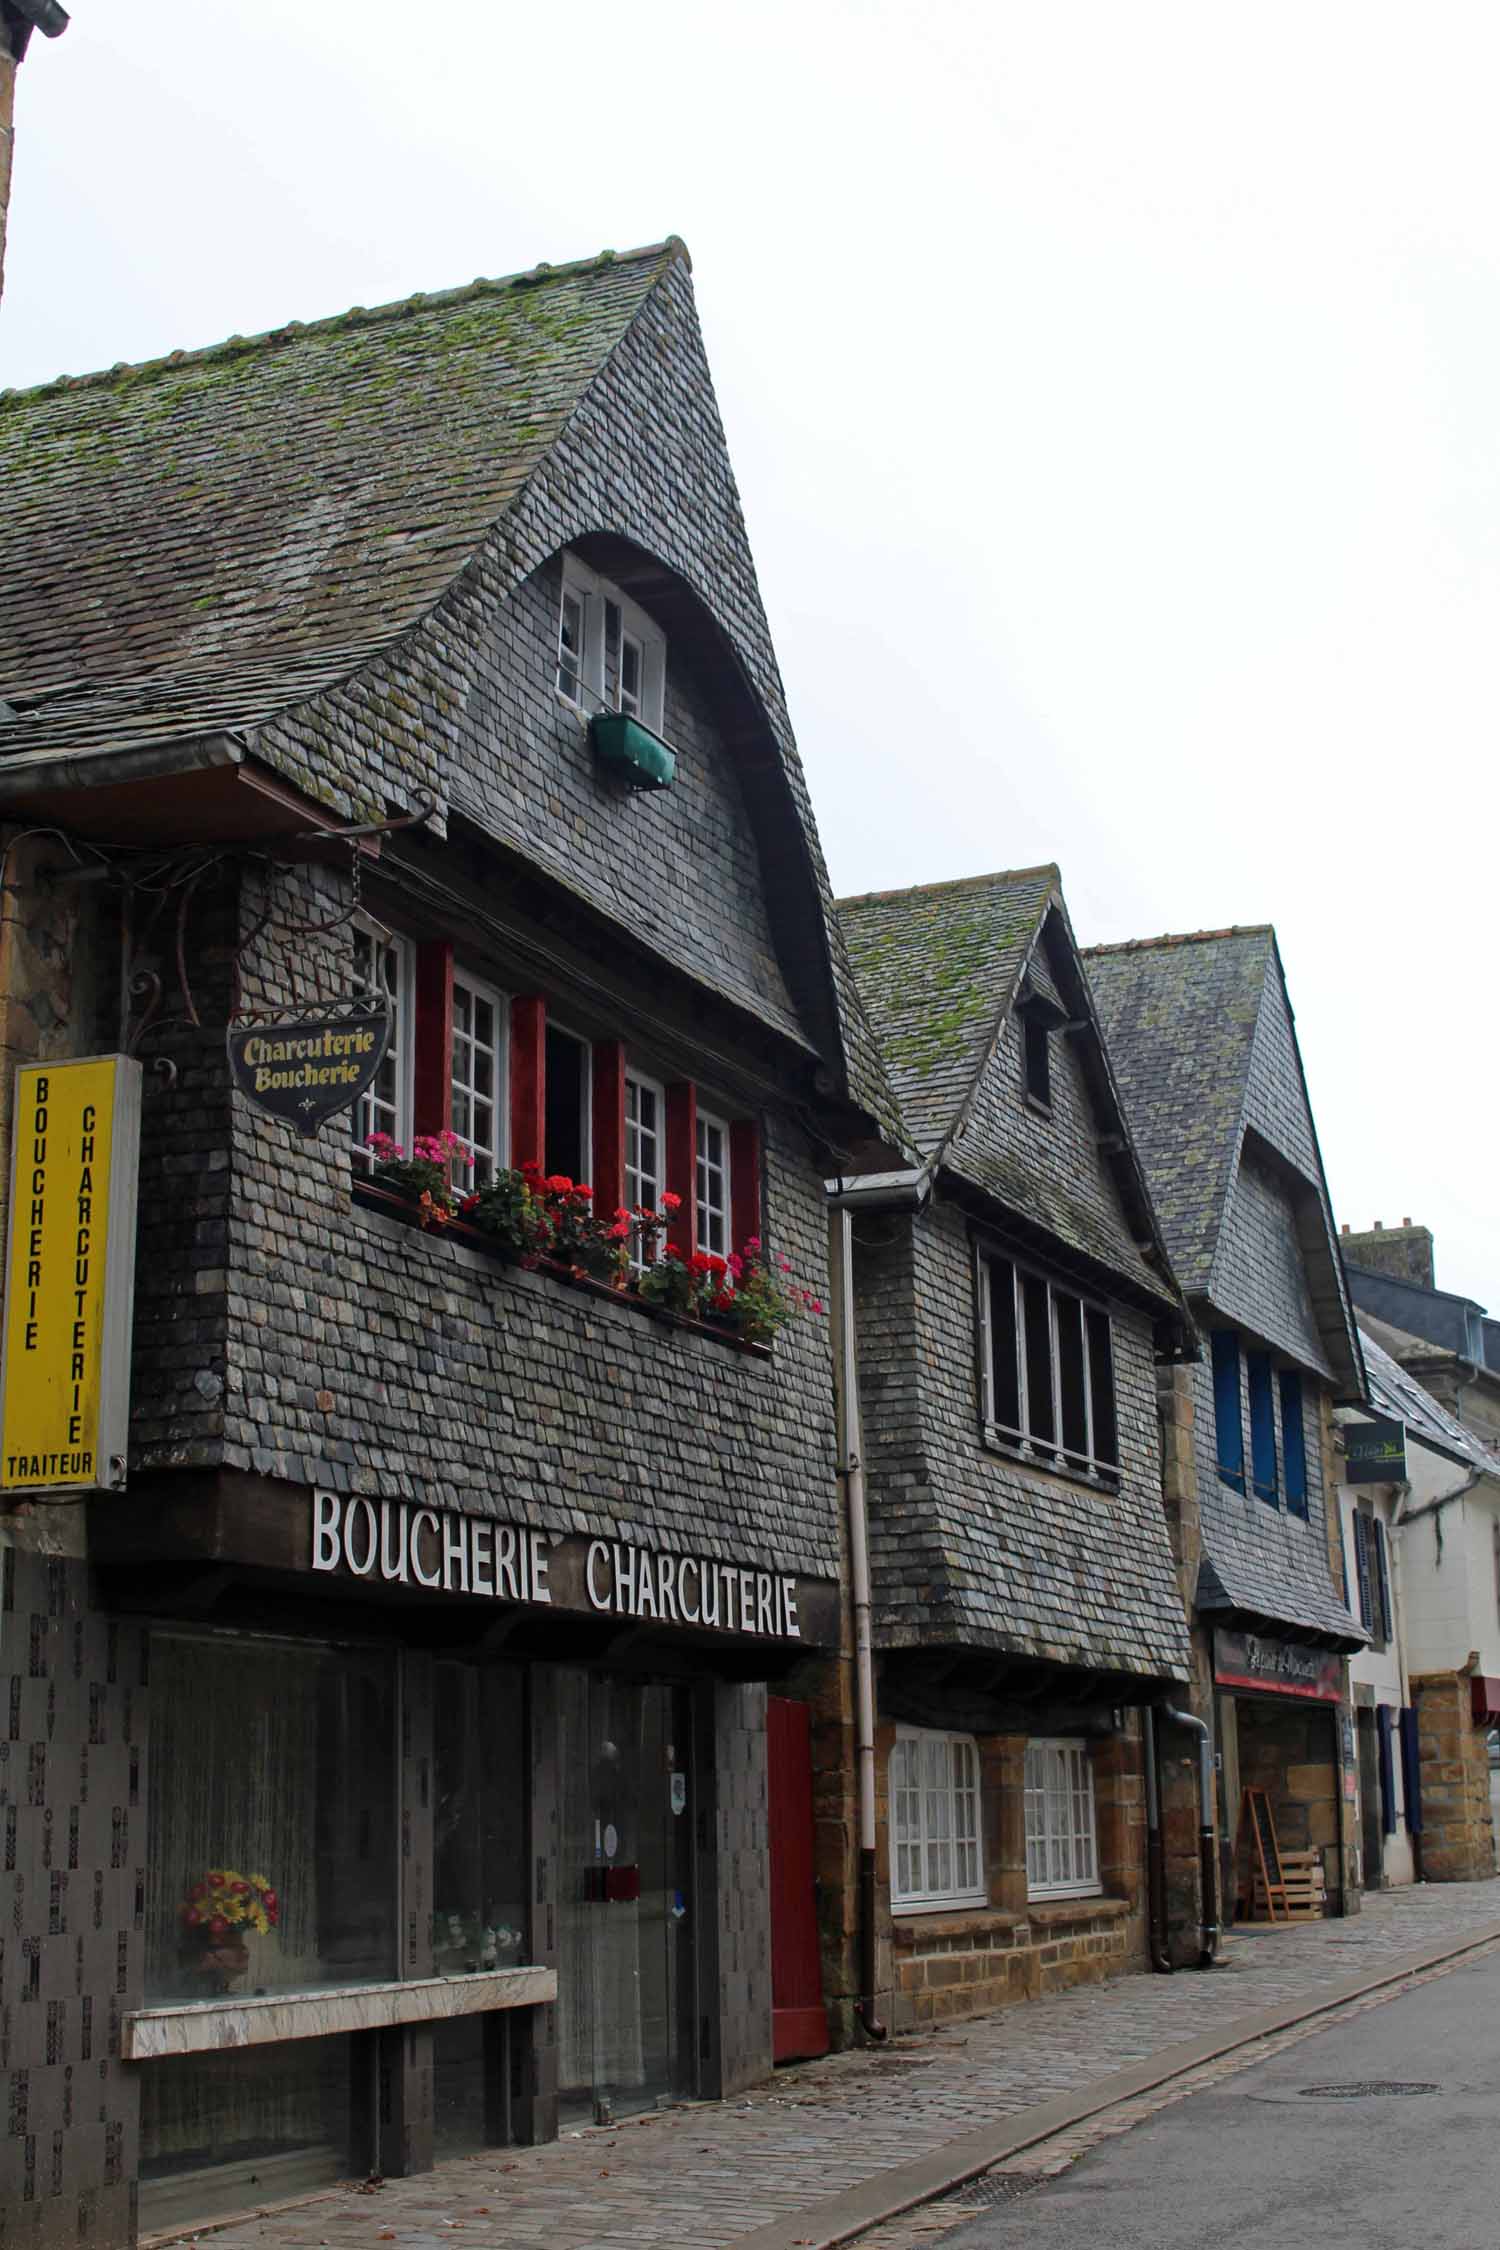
444,1594
1201,1035
1013,1299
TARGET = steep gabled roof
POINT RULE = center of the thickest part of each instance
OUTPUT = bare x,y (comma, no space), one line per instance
941,969
938,968
1179,1017
1201,1035
198,554
191,545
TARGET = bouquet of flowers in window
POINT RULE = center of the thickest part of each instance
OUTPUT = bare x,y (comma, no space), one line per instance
220,1910
425,1177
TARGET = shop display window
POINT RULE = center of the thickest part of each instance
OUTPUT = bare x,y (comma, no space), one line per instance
274,1838
480,1789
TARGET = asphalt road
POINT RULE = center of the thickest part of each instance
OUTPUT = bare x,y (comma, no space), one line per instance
1260,2164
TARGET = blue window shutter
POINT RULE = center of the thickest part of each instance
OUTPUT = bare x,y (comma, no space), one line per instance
1362,1570
1387,1771
1293,1442
1411,1770
1229,1425
1262,1426
1382,1577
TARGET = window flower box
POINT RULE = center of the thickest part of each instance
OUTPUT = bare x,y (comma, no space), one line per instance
625,747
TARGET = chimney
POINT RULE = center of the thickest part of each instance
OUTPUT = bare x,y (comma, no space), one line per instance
18,20
1404,1252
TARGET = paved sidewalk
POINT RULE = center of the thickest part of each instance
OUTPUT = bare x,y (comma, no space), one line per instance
702,2177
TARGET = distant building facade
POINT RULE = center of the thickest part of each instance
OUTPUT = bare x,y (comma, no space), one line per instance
1013,1301
1200,1033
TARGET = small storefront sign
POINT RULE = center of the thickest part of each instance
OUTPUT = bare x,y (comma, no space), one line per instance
1276,1667
1374,1452
446,1550
70,1275
304,1068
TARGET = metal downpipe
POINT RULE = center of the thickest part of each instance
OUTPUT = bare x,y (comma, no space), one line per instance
851,1467
1156,1870
1208,1871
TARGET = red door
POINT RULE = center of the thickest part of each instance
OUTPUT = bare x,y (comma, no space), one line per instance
799,2024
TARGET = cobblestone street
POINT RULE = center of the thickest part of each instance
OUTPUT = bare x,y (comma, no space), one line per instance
701,2177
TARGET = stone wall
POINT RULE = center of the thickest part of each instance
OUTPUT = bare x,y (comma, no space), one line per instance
1458,1843
1405,1251
1290,1750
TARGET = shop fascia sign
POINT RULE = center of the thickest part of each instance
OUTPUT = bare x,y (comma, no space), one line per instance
1375,1451
1277,1667
70,1275
304,1067
446,1550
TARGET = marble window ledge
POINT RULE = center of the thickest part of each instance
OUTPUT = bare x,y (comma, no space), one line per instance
196,2027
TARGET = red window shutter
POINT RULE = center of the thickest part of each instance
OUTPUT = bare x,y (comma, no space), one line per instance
528,1079
682,1164
609,1126
744,1181
432,1046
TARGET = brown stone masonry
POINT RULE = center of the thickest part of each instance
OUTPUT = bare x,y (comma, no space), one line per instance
1457,1839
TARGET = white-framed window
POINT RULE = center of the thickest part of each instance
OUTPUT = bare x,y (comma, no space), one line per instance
610,655
477,1076
713,1185
1048,1369
1062,1845
936,1855
645,1143
385,962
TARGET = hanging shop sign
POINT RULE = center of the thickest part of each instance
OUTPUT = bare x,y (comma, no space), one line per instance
1374,1452
70,1275
1277,1667
304,1068
445,1550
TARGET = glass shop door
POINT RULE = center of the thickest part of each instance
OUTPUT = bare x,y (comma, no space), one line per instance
626,1985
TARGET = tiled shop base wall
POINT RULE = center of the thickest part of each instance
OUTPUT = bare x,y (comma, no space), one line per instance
72,1906
961,1965
744,1876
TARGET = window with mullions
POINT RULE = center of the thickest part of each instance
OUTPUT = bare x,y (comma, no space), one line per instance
610,655
936,1858
1062,1849
383,963
645,1143
713,1186
477,1076
1049,1370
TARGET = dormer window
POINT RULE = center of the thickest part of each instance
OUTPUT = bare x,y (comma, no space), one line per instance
610,656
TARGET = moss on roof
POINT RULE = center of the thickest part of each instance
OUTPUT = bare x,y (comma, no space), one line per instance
937,967
191,544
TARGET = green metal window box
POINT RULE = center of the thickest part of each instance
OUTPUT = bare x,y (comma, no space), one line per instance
632,751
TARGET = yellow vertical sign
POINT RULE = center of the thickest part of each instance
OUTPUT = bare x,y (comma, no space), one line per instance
69,1272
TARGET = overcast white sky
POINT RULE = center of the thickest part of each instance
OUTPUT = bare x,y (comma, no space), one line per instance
1113,391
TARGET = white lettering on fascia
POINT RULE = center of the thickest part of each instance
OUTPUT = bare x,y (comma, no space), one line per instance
442,1548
